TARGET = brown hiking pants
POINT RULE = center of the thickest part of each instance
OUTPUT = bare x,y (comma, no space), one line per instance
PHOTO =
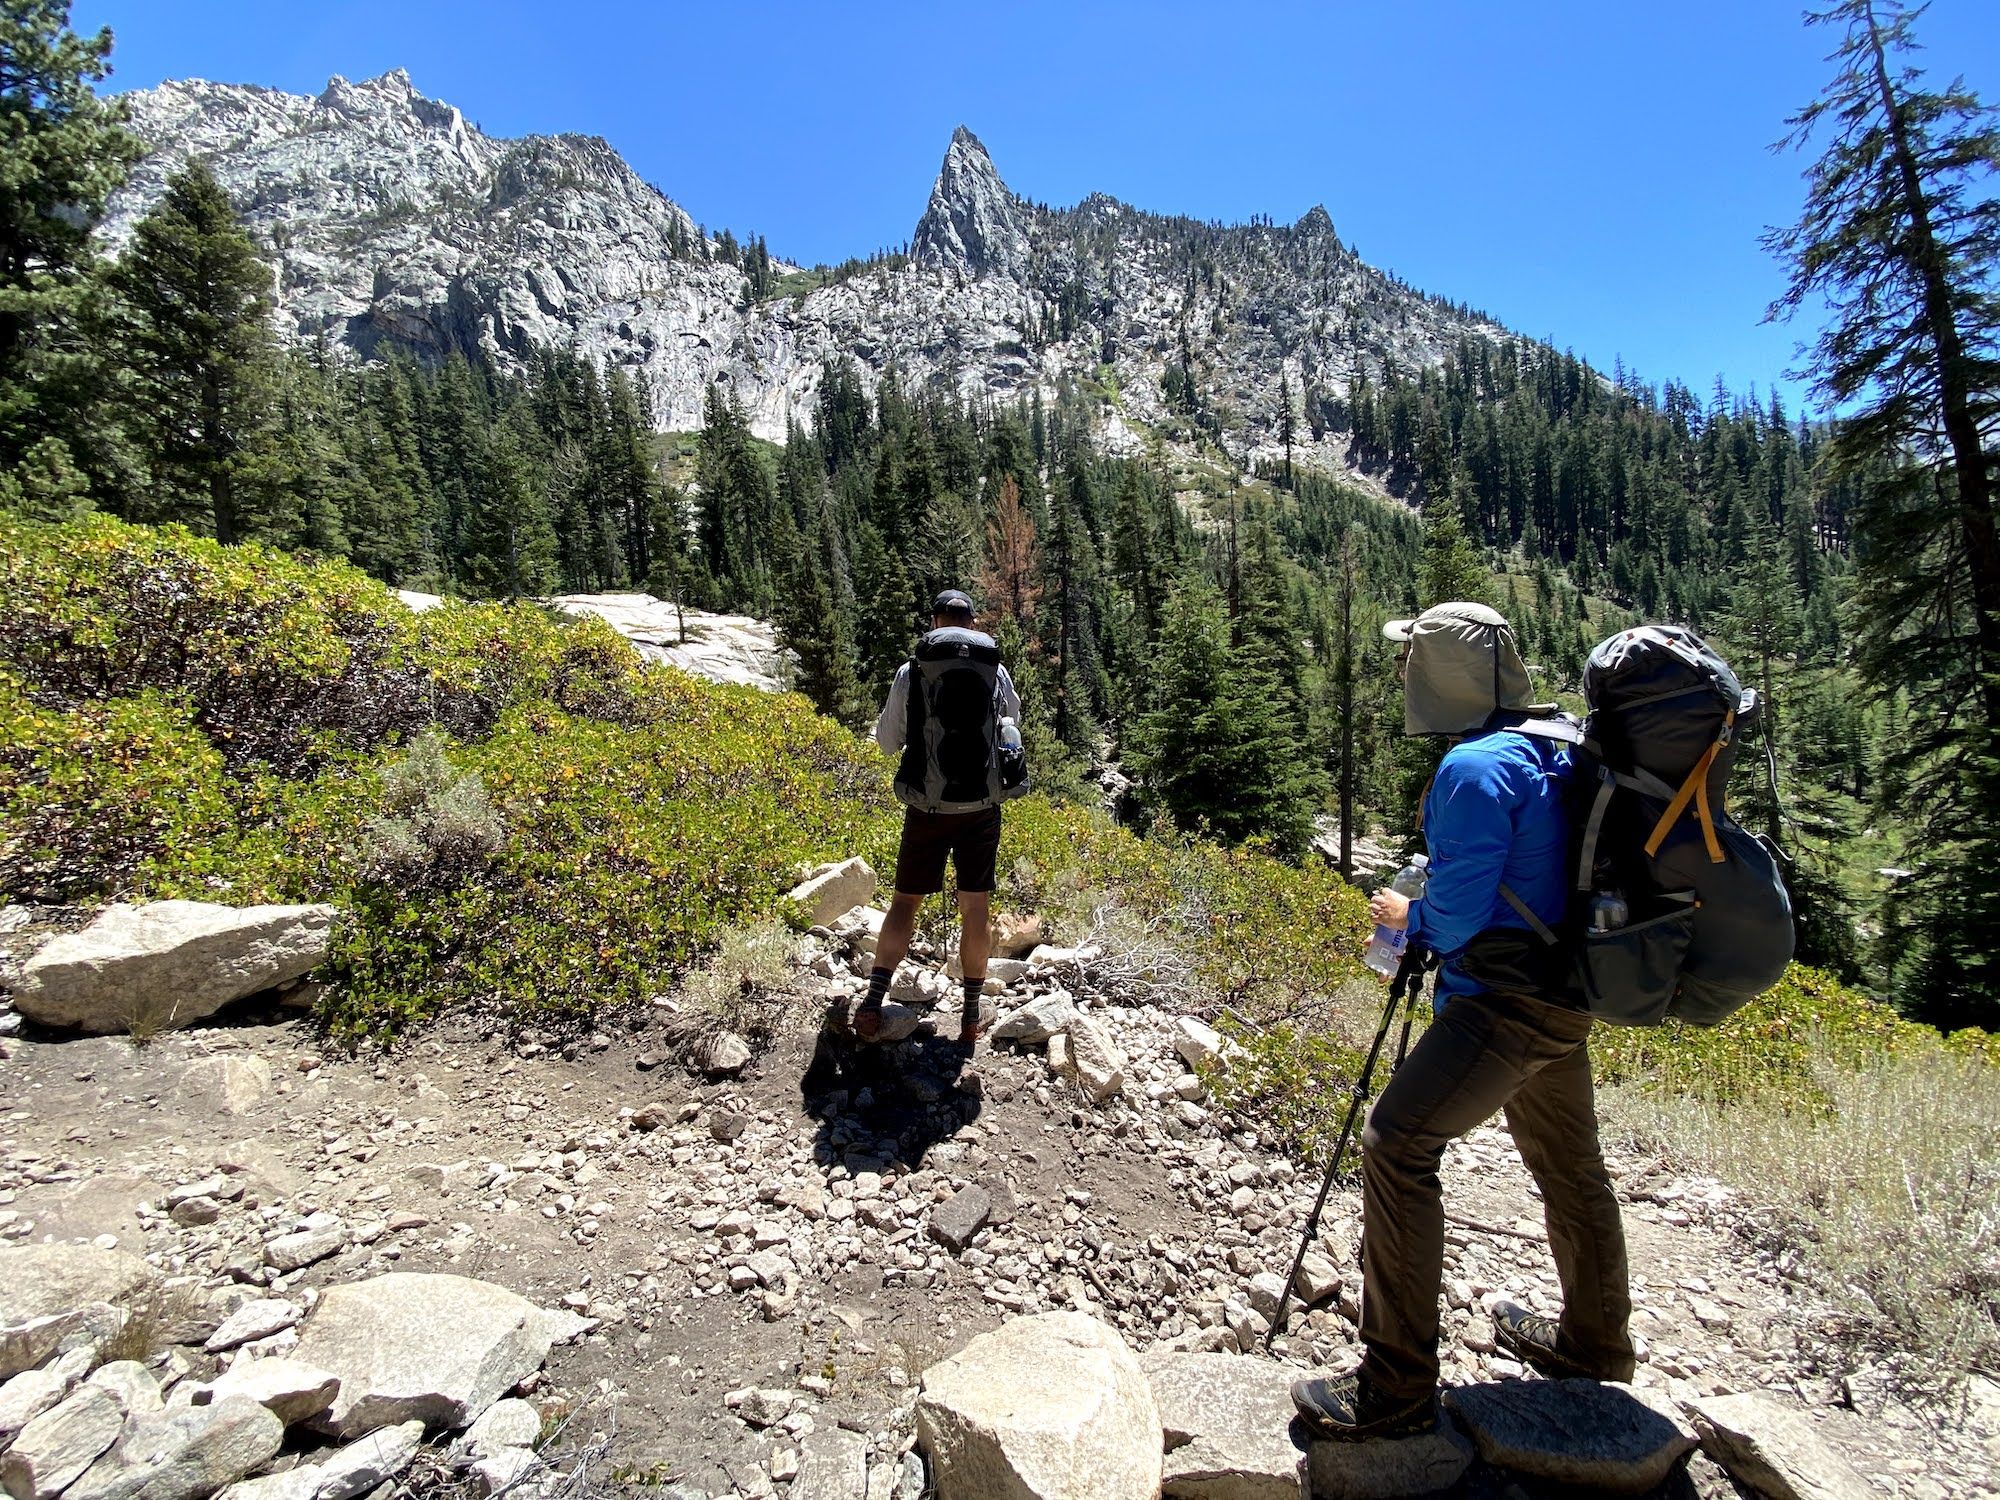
1483,1052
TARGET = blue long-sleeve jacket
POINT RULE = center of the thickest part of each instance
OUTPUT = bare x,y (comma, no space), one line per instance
1494,814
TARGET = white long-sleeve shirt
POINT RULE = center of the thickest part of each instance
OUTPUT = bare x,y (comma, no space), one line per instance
896,712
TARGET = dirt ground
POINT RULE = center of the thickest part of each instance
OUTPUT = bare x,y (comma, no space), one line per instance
775,1231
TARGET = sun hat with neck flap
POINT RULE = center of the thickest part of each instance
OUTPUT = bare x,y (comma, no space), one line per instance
1463,667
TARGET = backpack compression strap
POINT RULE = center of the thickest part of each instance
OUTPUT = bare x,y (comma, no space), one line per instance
1696,788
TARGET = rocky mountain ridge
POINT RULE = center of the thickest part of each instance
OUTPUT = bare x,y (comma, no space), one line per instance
390,219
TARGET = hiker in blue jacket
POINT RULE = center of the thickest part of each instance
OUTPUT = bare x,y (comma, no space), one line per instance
1493,817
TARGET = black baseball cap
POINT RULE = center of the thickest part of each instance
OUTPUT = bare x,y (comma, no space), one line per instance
952,602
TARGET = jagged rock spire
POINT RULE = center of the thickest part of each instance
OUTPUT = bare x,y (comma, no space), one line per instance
972,222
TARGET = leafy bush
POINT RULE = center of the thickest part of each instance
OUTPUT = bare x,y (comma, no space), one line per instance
88,794
1270,939
1776,1046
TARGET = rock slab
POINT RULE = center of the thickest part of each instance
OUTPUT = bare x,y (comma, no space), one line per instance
1052,1407
1228,1426
168,963
1038,1020
184,1453
1774,1450
833,889
955,1221
57,1446
38,1281
358,1469
435,1349
288,1388
1391,1469
1095,1064
1605,1438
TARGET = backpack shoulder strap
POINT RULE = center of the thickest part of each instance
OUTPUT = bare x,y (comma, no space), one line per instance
1522,910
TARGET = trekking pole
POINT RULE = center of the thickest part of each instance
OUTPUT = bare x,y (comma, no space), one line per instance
1409,984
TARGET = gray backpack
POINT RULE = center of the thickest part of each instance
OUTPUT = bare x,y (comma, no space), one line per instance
1707,923
951,742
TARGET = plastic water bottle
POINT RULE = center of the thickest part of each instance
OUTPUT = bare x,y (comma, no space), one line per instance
1385,949
1010,737
1608,911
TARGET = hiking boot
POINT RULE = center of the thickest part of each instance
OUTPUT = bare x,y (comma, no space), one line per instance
1536,1342
868,1019
1350,1408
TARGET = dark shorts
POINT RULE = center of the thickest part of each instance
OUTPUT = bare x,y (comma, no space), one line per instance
971,839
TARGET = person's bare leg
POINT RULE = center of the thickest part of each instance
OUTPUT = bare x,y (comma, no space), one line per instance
890,945
898,927
975,947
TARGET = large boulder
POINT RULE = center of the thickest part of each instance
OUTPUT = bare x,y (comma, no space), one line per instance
1037,1021
289,1389
57,1446
436,1349
41,1280
1053,1407
1391,1468
184,1453
1607,1439
1228,1425
1774,1450
833,889
358,1469
168,963
1016,934
28,1395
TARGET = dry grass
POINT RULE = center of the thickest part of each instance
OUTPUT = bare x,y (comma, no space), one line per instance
156,1320
746,987
1886,1198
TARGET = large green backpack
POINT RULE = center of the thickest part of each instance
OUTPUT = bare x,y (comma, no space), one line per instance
1708,923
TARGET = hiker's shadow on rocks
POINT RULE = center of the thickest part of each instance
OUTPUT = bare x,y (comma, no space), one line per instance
887,1101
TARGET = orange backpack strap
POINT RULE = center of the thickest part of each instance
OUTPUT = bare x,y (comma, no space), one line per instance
1695,790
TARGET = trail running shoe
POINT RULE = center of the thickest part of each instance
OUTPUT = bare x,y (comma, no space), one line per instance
971,1023
1536,1342
1349,1409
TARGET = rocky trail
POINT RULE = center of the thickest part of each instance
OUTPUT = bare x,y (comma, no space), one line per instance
735,1285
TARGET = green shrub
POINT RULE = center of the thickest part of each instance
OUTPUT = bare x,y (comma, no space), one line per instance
1775,1046
1270,939
89,794
1295,1084
276,660
626,854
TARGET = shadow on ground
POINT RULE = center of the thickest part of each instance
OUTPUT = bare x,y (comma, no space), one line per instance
886,1102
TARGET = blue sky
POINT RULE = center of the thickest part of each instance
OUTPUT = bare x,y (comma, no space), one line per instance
1595,173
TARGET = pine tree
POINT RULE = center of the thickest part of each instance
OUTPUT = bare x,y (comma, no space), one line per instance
888,610
194,300
65,151
1451,569
511,544
813,630
1900,239
1288,430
